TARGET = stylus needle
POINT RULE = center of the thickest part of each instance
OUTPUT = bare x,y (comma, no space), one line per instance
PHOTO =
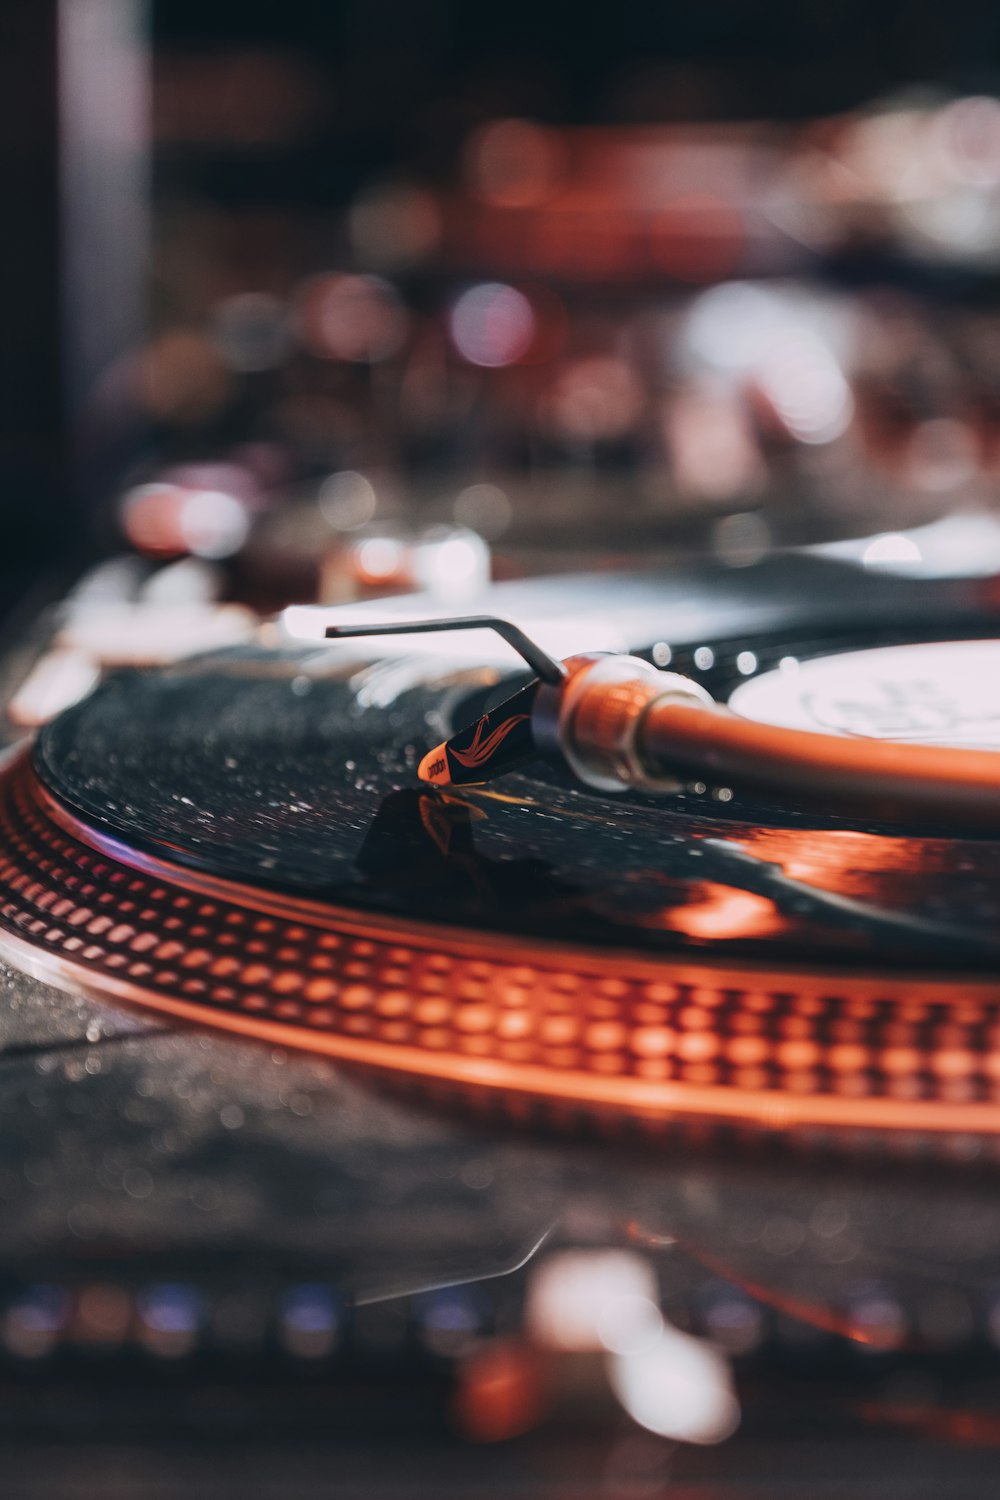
498,742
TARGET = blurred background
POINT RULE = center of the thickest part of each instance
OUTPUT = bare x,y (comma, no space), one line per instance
327,299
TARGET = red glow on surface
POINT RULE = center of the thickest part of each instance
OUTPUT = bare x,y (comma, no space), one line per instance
725,913
500,1392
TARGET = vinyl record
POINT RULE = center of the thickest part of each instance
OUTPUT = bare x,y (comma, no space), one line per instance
241,841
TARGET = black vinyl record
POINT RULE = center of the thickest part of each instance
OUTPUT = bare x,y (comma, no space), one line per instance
296,770
242,840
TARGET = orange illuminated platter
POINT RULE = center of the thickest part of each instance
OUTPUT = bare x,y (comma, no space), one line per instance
241,841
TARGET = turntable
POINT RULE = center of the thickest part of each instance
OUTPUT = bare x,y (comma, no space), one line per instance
406,1036
243,841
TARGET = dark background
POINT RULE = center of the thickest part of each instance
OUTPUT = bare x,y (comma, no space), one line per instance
403,82
571,61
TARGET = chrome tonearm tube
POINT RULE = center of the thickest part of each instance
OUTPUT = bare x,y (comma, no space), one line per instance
619,723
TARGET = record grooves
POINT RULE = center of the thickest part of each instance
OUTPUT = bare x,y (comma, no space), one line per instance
663,1038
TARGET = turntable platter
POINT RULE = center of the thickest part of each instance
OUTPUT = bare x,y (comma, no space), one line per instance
240,841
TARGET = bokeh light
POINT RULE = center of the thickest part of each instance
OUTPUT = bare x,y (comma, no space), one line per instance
595,399
451,563
381,561
169,1317
347,500
572,1297
806,387
968,133
484,508
360,319
514,163
165,519
891,550
492,325
676,1386
252,331
781,344
710,442
394,226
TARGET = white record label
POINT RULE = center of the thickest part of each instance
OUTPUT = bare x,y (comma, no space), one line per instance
945,693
